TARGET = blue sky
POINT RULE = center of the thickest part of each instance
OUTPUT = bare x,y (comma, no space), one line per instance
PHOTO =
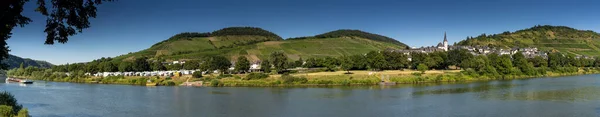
132,25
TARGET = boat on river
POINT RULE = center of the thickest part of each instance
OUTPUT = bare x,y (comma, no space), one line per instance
24,81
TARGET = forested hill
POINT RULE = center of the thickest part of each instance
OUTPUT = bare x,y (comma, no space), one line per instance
355,33
256,44
15,62
549,38
230,31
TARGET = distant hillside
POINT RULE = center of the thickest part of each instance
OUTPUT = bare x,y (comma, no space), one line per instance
256,44
549,38
355,33
15,62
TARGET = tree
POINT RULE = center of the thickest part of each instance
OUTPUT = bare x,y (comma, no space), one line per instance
396,60
74,67
109,67
504,64
140,64
538,61
597,62
435,60
216,63
346,63
299,62
416,59
489,70
312,63
359,62
9,100
279,61
330,63
265,66
158,66
126,67
242,64
524,66
519,59
376,61
191,65
92,67
197,74
456,56
422,67
556,60
64,20
440,59
21,66
474,62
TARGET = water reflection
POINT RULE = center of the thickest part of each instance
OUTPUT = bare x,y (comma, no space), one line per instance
570,96
567,95
219,93
563,90
467,89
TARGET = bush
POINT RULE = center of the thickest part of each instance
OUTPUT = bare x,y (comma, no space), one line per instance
5,111
197,74
168,83
422,68
9,106
416,73
346,82
288,79
23,113
9,100
254,76
215,83
470,72
224,76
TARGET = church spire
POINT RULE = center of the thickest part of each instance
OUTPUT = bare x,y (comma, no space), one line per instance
445,37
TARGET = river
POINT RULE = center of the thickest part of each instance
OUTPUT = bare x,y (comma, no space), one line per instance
543,97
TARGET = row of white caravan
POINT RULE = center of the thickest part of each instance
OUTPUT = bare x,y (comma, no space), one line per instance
146,73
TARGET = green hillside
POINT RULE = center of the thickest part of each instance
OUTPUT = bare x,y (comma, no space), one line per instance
15,62
355,33
256,43
548,38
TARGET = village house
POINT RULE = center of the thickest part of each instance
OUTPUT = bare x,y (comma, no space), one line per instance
255,67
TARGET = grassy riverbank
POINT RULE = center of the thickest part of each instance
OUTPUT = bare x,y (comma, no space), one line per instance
133,80
315,79
364,78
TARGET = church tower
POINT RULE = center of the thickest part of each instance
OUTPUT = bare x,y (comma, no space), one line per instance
445,42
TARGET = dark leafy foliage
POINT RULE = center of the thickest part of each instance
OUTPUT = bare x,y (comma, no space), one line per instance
245,31
197,74
288,79
536,34
9,100
254,76
66,18
361,34
14,62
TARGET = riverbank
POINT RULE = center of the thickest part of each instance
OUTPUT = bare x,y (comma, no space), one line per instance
500,97
338,78
120,80
359,78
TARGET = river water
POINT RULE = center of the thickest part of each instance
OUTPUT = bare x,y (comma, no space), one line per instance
542,97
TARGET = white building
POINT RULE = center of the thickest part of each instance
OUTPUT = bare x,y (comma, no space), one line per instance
443,45
256,67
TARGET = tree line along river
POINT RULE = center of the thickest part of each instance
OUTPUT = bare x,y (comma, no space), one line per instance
561,96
